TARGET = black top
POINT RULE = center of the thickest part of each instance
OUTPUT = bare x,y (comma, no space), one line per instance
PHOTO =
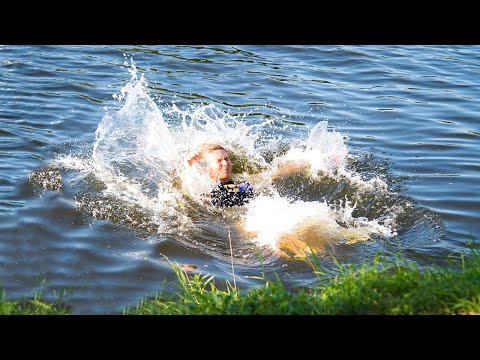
228,193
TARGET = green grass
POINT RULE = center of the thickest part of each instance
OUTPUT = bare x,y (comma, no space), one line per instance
376,288
33,306
379,287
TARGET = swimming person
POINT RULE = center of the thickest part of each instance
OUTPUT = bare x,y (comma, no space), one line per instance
215,160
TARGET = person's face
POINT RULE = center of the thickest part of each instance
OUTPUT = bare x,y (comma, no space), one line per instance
219,165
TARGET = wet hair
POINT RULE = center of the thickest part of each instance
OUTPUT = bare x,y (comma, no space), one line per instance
203,149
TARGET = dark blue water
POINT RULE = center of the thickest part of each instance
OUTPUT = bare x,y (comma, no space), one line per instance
409,115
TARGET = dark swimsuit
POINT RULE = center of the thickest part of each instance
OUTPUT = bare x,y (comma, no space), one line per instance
229,193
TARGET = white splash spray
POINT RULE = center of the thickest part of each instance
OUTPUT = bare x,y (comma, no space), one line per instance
280,222
325,151
275,221
135,140
140,154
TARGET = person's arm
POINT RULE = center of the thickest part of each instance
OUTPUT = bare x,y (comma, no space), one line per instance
290,168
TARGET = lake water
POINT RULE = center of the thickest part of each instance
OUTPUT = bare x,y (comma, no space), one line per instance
94,197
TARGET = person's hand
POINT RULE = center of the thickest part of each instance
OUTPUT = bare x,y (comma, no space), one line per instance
193,159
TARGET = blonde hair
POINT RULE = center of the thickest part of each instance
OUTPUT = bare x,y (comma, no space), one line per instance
203,149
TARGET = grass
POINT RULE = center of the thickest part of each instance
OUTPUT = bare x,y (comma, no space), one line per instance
33,306
377,288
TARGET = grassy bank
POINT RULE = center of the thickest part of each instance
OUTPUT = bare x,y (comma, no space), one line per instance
32,306
375,288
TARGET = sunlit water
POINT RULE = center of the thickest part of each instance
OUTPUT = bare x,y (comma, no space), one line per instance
96,198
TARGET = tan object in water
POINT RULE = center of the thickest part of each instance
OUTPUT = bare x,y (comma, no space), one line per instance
290,168
312,237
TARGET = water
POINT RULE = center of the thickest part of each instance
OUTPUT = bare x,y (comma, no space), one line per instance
94,197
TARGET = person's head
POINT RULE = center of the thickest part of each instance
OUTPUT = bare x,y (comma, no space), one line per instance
216,159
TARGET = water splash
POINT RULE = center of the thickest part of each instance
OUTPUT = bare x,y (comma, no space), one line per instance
325,151
318,166
209,124
139,157
134,142
300,226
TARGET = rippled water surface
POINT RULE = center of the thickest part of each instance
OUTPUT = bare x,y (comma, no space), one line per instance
94,197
